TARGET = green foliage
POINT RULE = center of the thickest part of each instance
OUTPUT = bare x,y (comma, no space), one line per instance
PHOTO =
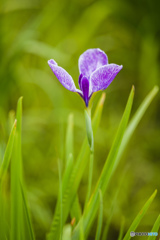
91,210
21,226
8,152
100,216
139,216
71,186
155,228
17,223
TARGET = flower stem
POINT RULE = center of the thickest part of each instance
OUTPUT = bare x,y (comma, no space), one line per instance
89,177
90,138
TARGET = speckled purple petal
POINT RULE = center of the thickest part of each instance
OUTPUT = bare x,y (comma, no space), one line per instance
64,77
102,77
90,60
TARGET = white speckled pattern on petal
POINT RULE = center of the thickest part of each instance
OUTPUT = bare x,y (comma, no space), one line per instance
102,77
90,60
95,73
62,75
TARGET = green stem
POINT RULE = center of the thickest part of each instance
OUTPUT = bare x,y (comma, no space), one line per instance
89,132
60,195
90,177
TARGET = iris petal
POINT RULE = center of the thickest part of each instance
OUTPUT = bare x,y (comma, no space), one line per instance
90,60
62,75
102,77
85,89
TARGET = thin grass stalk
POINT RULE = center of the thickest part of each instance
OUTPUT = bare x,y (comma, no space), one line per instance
100,216
121,230
60,194
155,228
139,216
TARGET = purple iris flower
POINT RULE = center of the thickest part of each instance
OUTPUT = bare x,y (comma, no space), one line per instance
95,73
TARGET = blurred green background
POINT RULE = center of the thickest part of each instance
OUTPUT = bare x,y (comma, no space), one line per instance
32,32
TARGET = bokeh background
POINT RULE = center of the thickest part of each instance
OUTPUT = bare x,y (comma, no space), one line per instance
32,32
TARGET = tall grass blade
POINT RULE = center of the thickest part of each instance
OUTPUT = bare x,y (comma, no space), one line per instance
60,197
121,230
91,210
16,177
155,228
21,228
65,192
81,229
136,119
69,137
3,171
8,152
29,234
100,217
67,231
76,211
2,218
111,212
74,179
140,215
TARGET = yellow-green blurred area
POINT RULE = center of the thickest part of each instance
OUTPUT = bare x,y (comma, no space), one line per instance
32,32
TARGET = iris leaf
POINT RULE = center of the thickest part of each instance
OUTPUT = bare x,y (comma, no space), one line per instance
21,228
3,171
136,119
16,178
91,209
8,151
155,228
69,137
100,217
139,216
110,165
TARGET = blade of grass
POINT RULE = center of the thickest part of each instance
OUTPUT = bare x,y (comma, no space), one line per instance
20,221
8,152
121,230
60,197
91,210
67,231
29,234
81,229
69,137
65,192
135,120
73,182
140,215
100,217
2,218
113,205
76,211
16,177
155,228
3,170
